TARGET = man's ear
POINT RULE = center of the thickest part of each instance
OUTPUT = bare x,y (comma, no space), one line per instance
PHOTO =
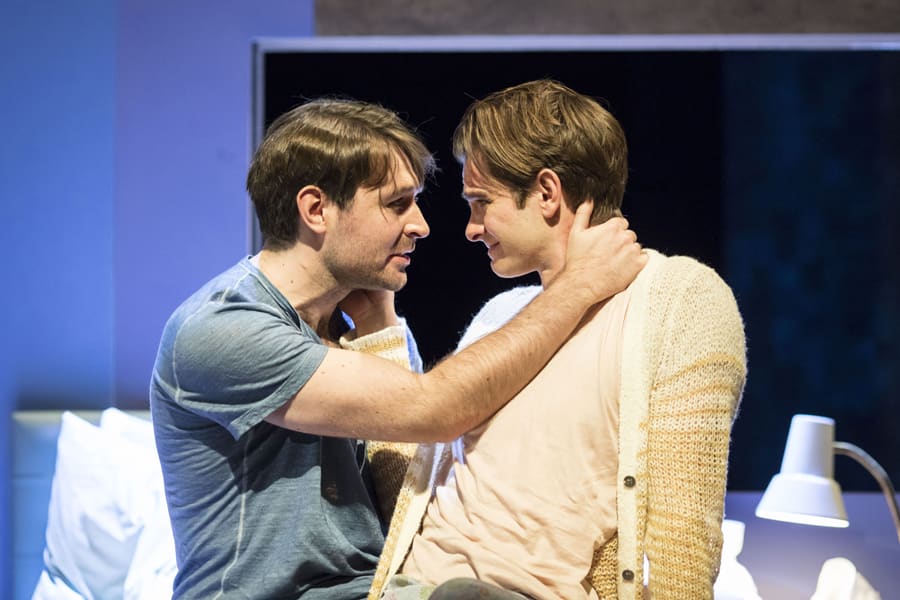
551,193
311,208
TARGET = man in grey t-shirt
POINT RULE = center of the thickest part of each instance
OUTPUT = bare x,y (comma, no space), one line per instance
256,406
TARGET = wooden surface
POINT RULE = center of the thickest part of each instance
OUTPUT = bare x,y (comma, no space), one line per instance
431,17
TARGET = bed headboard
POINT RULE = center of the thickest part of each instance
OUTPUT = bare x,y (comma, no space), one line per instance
34,435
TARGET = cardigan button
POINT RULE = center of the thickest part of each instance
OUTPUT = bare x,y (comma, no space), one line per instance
629,481
628,575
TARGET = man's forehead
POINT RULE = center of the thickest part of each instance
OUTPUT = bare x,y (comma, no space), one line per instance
398,186
399,182
474,181
401,178
471,174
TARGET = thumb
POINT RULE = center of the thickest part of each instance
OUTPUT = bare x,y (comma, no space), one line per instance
583,216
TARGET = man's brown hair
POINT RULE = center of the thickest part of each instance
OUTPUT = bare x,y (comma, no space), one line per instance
337,145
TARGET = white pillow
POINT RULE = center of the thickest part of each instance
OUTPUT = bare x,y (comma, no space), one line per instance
153,566
128,427
105,493
51,588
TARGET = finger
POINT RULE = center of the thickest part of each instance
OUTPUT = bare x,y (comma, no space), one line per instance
583,215
620,222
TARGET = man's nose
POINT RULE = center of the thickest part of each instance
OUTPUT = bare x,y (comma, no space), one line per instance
417,226
474,229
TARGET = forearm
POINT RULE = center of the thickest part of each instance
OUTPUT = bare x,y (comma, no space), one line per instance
688,459
696,391
477,381
352,394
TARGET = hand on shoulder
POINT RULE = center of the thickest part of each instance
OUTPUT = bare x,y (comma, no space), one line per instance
604,259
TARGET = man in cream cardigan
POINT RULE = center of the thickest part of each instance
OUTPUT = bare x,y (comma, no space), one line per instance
614,456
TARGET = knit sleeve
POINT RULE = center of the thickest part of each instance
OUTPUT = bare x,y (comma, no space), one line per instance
700,373
388,460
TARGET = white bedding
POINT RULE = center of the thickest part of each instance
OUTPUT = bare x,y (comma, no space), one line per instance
108,534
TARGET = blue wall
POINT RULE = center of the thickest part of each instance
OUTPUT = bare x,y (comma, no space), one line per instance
56,182
125,145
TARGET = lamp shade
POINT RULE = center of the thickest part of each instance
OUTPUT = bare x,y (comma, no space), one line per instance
805,490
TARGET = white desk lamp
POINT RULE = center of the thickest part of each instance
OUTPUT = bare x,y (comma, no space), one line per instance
805,490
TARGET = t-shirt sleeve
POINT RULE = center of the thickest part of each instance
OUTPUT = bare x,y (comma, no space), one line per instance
237,364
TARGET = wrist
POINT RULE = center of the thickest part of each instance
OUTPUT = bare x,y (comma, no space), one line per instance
389,343
569,286
370,324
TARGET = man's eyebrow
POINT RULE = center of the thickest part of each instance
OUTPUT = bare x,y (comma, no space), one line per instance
411,190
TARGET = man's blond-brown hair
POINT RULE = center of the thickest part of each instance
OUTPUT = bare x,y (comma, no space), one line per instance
512,134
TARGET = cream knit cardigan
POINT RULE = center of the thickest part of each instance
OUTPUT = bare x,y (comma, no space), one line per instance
683,373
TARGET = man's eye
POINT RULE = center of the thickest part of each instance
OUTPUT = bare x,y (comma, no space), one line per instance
400,205
478,202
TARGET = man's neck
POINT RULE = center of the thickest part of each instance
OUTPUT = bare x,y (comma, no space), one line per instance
554,255
303,280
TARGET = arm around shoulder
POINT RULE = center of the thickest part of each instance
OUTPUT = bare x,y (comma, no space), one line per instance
354,395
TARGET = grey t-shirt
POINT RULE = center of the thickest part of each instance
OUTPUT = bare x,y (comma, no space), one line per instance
257,511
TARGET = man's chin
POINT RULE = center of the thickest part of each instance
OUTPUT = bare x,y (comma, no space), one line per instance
397,283
380,282
505,272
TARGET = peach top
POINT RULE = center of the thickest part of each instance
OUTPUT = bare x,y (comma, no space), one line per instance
530,493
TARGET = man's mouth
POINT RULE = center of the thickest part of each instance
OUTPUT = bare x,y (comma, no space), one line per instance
403,257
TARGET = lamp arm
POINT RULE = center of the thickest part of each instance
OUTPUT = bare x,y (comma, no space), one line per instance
877,472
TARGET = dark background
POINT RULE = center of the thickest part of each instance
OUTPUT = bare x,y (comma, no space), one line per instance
777,168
